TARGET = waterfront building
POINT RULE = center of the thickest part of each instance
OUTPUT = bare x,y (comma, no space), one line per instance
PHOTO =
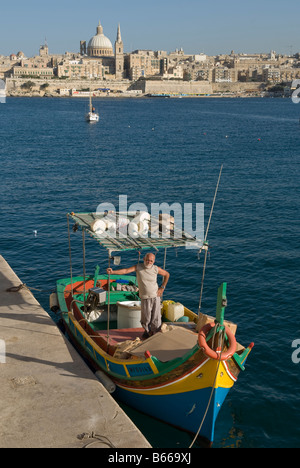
203,74
100,48
198,70
289,74
32,72
143,63
83,68
35,67
224,75
271,74
173,73
178,55
5,66
44,50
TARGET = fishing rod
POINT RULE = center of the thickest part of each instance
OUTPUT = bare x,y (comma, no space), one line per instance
205,245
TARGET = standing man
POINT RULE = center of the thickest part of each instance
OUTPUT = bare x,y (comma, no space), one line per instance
149,292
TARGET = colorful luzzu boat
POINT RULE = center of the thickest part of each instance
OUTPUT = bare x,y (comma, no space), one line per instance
181,375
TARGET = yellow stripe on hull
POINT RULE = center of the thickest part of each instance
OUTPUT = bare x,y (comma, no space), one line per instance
203,376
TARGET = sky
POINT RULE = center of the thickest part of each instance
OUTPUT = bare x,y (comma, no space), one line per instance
198,26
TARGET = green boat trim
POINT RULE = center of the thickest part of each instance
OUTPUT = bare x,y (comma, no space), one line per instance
160,367
116,296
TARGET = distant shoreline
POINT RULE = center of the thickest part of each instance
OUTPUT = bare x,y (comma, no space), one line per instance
18,96
128,96
174,89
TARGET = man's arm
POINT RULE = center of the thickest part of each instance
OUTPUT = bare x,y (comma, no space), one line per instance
123,271
166,276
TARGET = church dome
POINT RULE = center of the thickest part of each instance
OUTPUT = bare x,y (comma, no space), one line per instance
100,41
100,45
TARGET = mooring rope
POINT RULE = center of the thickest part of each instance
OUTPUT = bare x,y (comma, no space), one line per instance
98,439
212,392
28,288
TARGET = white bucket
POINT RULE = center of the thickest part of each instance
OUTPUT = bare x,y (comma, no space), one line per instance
129,314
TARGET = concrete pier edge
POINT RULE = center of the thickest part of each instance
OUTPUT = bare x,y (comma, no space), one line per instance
49,396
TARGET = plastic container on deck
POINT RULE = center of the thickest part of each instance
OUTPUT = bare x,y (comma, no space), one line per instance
174,311
129,314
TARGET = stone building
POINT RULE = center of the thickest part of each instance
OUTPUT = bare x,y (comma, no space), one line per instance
44,50
224,75
100,47
32,71
83,68
143,63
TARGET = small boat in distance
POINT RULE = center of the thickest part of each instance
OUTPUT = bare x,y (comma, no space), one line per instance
92,115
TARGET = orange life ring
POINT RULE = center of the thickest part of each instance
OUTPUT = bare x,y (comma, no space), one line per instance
223,356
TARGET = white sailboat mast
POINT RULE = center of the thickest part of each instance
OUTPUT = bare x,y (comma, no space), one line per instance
90,101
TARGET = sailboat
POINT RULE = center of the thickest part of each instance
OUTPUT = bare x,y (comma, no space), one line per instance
92,115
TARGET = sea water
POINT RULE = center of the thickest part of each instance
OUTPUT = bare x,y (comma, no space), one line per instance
171,150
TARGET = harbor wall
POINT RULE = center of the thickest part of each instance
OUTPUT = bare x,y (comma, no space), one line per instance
13,85
173,86
49,396
58,87
239,88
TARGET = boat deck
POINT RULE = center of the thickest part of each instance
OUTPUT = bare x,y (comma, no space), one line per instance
167,346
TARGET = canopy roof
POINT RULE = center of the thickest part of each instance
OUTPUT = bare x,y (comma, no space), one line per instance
121,231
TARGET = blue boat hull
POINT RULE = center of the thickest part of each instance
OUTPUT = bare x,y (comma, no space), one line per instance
183,410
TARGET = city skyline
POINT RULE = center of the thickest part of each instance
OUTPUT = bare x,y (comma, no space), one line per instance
196,26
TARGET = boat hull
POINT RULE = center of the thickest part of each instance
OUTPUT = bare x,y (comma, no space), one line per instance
185,410
92,117
185,390
183,401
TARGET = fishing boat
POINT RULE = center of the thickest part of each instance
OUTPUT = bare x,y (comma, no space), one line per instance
182,374
92,115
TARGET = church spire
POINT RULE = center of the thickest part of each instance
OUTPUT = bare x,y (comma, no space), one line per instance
99,29
119,38
119,55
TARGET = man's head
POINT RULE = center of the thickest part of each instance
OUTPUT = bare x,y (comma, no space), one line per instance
149,260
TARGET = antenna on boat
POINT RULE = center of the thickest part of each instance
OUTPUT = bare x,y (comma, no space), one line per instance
108,300
70,255
205,244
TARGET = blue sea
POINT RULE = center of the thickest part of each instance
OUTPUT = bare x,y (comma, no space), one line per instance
171,150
